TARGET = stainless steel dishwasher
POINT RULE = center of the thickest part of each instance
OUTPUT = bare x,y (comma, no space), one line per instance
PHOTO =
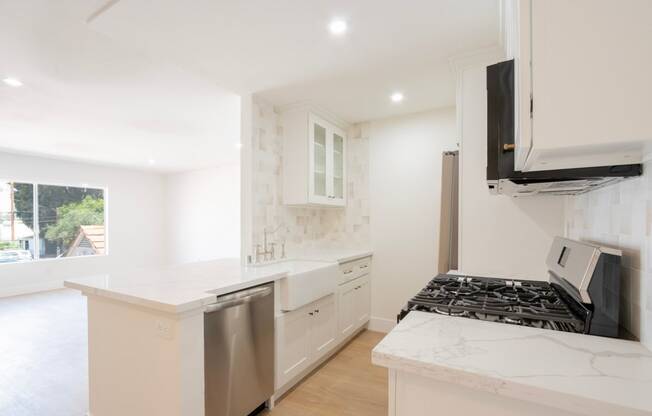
239,352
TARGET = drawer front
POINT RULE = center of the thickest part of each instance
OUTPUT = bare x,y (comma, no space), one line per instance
354,269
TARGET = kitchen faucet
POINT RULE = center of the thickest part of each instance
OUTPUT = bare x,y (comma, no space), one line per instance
268,249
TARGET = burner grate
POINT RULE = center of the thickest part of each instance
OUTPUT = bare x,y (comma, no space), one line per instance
535,304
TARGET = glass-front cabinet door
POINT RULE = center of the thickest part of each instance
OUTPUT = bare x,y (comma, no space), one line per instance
338,167
319,171
327,163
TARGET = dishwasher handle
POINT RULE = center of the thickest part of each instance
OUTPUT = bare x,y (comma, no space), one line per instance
238,298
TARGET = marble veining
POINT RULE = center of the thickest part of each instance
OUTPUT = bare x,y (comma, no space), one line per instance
579,373
187,287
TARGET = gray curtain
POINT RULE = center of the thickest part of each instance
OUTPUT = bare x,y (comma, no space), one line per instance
448,225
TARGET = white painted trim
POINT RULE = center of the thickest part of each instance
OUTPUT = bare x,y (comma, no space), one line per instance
27,289
381,324
502,34
459,84
484,56
318,110
391,392
246,176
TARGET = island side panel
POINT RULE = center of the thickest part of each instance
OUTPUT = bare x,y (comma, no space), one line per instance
415,394
144,362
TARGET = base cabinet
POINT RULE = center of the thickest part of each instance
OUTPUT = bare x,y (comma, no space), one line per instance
323,333
413,394
293,344
353,305
362,298
346,309
306,336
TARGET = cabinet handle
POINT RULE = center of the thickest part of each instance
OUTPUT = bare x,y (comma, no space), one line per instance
348,271
364,266
316,310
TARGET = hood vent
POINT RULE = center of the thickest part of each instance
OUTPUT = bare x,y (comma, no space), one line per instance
501,176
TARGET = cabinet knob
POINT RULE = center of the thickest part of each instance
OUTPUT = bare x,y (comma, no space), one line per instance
509,147
316,310
310,313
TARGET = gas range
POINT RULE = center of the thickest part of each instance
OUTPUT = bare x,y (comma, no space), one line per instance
527,303
582,296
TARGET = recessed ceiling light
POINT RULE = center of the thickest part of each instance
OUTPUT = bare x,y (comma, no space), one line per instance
12,82
151,162
237,145
397,97
338,27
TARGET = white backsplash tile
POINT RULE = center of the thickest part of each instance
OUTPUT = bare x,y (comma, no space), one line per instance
300,227
620,216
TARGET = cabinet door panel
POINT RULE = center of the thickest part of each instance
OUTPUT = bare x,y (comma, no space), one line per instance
346,308
293,346
319,160
324,327
319,173
591,84
362,301
338,167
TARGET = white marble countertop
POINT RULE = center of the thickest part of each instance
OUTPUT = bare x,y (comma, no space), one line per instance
333,254
579,373
177,289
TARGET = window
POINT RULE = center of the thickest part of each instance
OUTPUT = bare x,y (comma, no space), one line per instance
47,221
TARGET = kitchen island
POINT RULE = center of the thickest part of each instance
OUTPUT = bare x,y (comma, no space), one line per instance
461,366
146,334
146,330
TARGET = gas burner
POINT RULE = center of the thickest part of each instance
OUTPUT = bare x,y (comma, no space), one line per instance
528,303
449,312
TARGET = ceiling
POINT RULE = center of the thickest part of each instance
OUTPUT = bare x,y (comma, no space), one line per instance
282,50
86,97
155,84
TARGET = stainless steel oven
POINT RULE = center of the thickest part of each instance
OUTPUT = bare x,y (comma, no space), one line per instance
239,352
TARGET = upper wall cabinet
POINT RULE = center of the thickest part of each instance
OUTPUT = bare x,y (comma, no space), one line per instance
583,82
314,159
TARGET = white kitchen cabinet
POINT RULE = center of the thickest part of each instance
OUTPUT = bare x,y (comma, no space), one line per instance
362,302
324,327
346,309
586,65
306,336
353,305
293,342
314,159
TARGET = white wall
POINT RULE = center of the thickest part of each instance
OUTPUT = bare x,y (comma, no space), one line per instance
135,221
405,191
499,235
203,214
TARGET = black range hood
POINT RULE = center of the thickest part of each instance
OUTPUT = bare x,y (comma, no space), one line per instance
501,176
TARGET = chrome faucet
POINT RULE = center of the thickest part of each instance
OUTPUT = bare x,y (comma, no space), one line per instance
268,251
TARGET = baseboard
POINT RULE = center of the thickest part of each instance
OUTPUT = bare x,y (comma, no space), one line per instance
34,288
381,324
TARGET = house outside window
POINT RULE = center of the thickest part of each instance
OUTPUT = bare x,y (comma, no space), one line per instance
39,221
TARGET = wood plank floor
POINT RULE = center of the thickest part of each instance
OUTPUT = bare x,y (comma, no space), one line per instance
347,385
43,355
43,365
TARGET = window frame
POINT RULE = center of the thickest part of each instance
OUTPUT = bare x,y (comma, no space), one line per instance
36,225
